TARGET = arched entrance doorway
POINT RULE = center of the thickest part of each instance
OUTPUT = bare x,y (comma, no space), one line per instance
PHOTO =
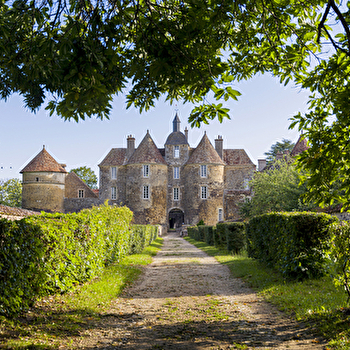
176,218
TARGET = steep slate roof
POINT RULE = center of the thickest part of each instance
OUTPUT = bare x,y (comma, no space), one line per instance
176,138
115,157
43,161
204,153
236,156
300,146
147,152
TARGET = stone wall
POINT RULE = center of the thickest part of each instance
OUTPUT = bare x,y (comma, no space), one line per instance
72,205
147,211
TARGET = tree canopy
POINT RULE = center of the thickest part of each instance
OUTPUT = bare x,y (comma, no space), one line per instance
278,147
87,175
276,189
79,54
11,192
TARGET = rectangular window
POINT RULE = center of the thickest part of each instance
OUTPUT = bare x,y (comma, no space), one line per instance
80,193
114,193
203,171
146,171
176,193
113,172
204,192
146,192
220,214
176,172
176,151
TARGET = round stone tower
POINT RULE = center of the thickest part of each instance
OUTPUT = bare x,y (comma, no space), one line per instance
203,177
146,185
43,184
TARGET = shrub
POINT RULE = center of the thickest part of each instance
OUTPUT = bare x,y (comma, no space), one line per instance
235,237
141,237
201,233
297,244
220,235
53,252
209,234
21,254
192,232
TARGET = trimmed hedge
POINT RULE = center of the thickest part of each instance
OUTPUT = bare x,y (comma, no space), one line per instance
235,237
141,237
52,253
296,244
229,236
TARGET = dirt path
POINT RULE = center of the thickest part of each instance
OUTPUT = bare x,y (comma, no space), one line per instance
187,300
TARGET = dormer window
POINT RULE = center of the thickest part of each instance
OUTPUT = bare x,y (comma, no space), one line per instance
146,170
203,171
176,151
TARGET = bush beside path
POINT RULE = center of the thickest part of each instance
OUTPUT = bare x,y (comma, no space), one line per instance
187,300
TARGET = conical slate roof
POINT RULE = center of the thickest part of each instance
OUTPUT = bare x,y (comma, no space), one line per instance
205,153
43,162
146,152
116,156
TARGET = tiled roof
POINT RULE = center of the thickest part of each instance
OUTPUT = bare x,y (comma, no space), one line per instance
300,146
236,156
205,153
115,157
146,152
74,182
43,161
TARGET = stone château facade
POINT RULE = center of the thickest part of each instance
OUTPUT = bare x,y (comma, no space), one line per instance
169,186
176,184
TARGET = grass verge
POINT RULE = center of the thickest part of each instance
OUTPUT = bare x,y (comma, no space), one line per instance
316,302
55,321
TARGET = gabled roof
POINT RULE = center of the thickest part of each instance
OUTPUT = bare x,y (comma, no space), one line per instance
300,146
205,153
147,152
236,157
74,182
43,162
115,157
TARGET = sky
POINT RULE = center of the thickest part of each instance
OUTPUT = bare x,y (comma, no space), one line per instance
259,119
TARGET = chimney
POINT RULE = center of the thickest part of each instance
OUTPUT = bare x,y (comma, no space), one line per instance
130,146
219,146
279,156
186,133
261,164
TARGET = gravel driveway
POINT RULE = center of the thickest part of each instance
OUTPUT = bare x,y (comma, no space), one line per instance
187,300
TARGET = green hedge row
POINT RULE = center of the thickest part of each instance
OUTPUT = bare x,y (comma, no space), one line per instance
141,237
51,253
229,236
296,244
